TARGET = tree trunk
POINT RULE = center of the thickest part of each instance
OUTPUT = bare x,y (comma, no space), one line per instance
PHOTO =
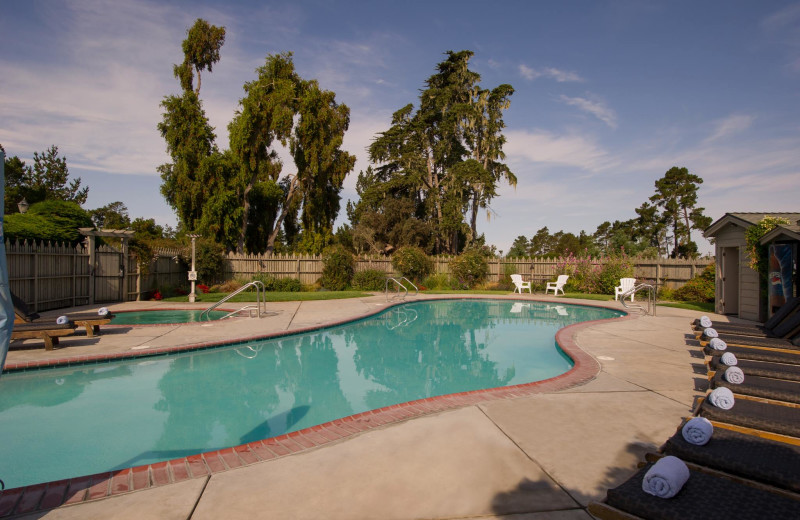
246,212
285,211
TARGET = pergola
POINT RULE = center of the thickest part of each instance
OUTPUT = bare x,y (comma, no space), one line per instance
92,234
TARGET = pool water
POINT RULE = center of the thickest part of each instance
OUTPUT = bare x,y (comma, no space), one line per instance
163,316
66,422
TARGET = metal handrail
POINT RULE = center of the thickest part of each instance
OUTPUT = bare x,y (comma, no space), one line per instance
651,298
399,286
259,287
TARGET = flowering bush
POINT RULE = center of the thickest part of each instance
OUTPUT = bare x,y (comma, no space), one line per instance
412,262
157,295
203,288
583,273
470,268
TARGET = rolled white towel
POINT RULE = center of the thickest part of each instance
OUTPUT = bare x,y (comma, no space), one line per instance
62,320
717,344
710,333
734,375
102,311
666,478
705,322
722,398
729,359
697,430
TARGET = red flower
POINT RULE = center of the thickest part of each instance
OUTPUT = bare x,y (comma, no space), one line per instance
157,295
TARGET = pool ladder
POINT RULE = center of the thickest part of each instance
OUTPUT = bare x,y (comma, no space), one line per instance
206,314
400,286
651,299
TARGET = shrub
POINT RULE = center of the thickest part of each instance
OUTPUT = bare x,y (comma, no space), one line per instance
338,266
439,282
614,268
412,262
583,273
209,260
273,284
227,287
470,268
698,289
370,280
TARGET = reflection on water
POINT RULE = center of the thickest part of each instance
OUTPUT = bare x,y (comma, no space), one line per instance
66,422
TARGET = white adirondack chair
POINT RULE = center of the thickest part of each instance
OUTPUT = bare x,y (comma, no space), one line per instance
558,285
519,285
625,285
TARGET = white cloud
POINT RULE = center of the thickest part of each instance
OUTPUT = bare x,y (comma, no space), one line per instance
595,107
539,146
729,126
558,75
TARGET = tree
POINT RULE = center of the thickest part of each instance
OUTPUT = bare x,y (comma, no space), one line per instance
48,179
53,220
113,215
191,178
15,171
280,106
519,249
676,193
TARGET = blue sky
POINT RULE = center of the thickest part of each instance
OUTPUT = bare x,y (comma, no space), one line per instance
608,94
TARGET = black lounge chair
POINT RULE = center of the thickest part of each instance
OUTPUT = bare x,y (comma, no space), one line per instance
761,368
705,495
90,321
791,307
48,332
757,386
771,355
792,342
763,460
768,417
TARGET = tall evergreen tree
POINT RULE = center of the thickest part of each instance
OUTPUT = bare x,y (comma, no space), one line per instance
676,194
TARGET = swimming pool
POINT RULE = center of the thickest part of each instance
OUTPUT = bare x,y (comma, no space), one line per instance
160,317
65,422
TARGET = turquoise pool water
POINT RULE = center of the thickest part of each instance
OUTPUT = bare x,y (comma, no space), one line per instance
161,317
66,422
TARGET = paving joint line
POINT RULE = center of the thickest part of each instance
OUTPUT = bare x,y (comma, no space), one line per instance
199,497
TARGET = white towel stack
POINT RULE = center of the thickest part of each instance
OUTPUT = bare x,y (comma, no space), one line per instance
698,431
102,311
717,344
721,398
710,333
62,320
705,322
734,375
729,359
666,478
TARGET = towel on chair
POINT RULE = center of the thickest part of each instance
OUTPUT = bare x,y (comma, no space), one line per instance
710,333
102,311
722,398
666,477
717,344
734,375
705,322
697,430
729,359
62,320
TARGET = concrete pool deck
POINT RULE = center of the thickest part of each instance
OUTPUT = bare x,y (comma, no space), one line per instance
539,456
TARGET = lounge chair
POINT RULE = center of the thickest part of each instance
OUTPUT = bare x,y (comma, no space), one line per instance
48,332
705,495
787,328
773,370
787,309
789,343
758,386
558,285
519,285
625,285
751,413
770,355
90,321
748,456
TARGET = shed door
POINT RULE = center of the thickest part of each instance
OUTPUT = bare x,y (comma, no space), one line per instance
730,280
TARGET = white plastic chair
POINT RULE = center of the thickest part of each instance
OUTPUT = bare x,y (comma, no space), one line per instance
625,285
519,285
558,285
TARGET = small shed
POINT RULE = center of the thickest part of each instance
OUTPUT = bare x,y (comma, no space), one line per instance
738,288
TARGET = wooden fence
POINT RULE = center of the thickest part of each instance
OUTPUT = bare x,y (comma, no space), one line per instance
51,276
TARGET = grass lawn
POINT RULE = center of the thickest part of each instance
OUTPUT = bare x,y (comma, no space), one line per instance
250,296
692,306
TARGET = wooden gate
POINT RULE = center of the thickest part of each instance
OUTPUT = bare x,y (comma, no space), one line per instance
108,277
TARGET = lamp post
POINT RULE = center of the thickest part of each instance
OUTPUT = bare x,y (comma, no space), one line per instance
192,273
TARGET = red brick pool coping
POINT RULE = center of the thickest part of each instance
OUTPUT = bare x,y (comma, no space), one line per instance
49,495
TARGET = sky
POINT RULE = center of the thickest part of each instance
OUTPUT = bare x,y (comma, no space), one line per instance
609,95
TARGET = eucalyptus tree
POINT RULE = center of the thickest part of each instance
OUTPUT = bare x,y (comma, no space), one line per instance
281,107
188,180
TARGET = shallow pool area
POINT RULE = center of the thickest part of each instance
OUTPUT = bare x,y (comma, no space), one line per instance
161,317
64,422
